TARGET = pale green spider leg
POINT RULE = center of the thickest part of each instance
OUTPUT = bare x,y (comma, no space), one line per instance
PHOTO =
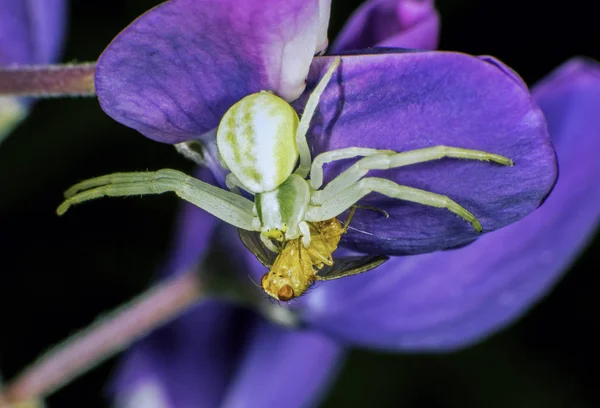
386,160
269,244
341,201
227,206
233,183
316,172
309,111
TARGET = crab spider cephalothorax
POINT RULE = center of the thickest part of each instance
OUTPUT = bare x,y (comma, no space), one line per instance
262,142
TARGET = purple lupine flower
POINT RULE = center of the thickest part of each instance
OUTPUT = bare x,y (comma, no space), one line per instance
175,71
172,79
31,32
390,23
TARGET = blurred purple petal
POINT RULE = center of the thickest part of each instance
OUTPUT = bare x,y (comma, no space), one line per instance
390,23
408,101
49,18
450,299
14,33
216,355
187,363
283,368
174,71
31,31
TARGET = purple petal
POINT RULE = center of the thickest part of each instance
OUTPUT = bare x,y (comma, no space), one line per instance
406,101
31,31
14,34
174,71
185,364
451,299
215,355
390,23
283,368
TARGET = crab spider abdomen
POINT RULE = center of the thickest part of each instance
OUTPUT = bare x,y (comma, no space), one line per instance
256,140
281,211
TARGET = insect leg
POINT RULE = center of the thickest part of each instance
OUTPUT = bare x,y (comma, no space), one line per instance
350,215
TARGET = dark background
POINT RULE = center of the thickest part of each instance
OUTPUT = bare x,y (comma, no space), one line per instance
58,274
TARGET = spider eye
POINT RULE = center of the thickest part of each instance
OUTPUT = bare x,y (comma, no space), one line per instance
285,293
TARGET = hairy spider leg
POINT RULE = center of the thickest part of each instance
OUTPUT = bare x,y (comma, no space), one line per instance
309,111
387,160
342,200
350,184
316,171
227,206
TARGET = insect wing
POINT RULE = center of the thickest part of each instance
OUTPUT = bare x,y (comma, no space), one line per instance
251,240
350,265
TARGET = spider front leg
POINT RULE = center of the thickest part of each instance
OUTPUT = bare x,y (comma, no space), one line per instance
385,160
309,111
316,170
337,203
227,206
269,244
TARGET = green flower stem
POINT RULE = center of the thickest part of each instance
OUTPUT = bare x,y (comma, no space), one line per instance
106,337
48,80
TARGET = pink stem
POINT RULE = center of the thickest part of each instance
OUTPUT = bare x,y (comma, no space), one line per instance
48,80
104,339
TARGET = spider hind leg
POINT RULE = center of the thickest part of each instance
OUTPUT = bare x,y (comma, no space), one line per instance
352,194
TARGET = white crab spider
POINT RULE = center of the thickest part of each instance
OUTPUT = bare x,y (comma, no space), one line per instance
263,143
